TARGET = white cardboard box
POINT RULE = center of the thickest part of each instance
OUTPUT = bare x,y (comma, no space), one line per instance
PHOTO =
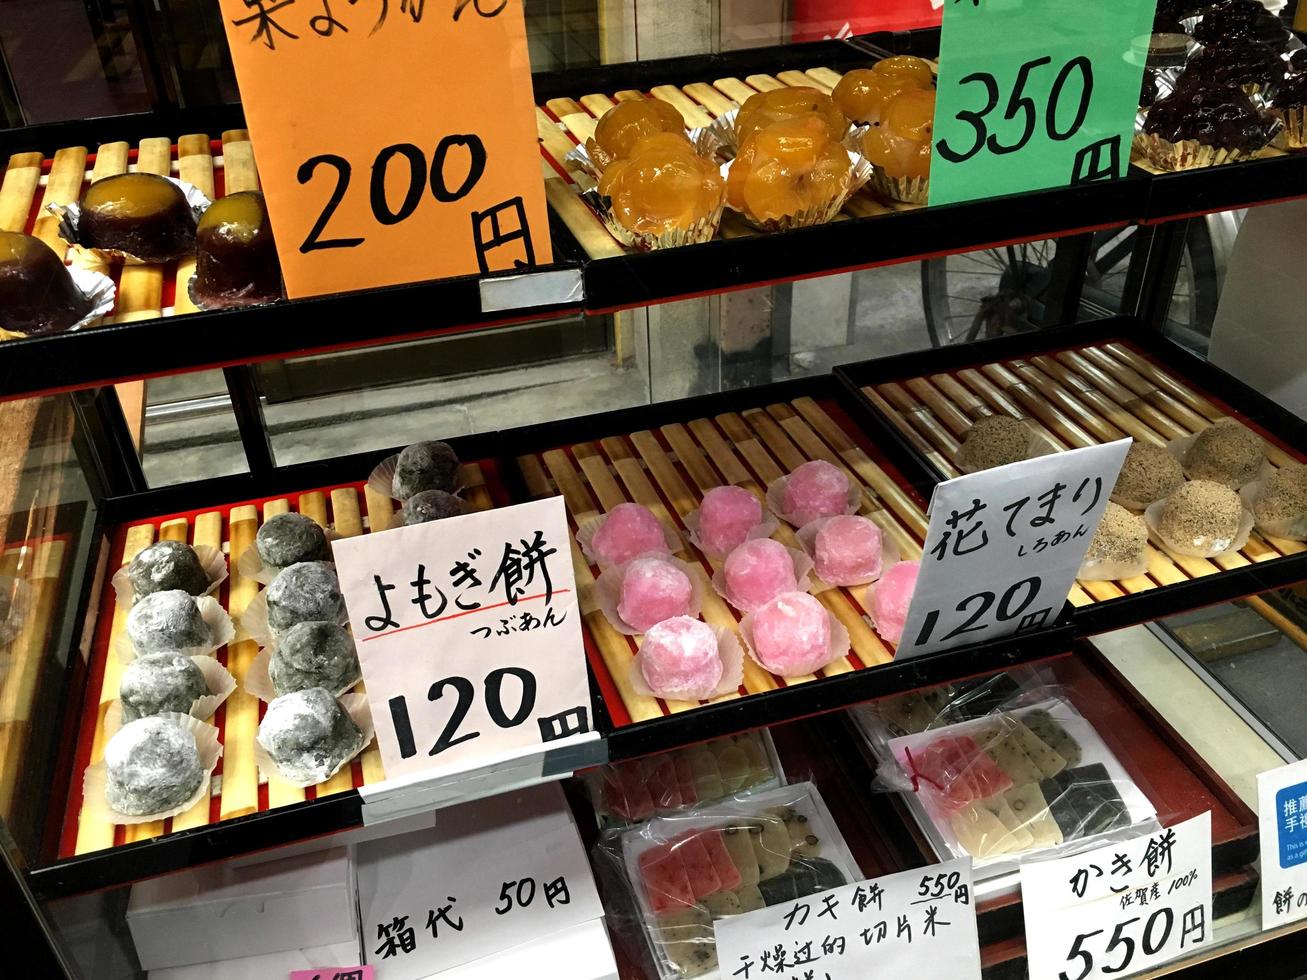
582,952
224,911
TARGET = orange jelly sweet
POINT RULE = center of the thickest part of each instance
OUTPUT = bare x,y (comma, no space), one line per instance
790,166
900,145
626,123
764,108
662,185
862,93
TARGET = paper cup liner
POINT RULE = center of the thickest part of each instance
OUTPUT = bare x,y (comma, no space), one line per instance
258,680
732,656
703,230
356,706
1179,448
254,621
217,679
802,581
1201,547
221,628
70,217
608,592
1039,445
381,479
250,565
909,190
587,529
95,804
1291,529
807,537
212,560
838,647
1184,155
776,500
819,214
1112,571
764,529
97,289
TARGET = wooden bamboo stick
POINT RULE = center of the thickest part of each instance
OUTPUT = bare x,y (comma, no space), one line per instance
195,166
238,170
1099,425
63,186
954,406
381,510
597,104
1164,381
912,415
801,79
918,441
110,159
1178,411
1054,421
1133,415
764,83
240,781
22,177
710,98
824,77
690,111
734,89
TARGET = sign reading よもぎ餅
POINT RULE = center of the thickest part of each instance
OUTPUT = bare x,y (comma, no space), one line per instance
469,634
395,139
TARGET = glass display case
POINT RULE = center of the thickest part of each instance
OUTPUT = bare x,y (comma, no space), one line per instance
1159,306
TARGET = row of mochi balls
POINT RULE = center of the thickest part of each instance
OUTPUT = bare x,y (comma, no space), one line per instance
644,591
156,763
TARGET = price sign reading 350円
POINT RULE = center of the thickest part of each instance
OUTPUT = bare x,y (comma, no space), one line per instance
1034,94
395,139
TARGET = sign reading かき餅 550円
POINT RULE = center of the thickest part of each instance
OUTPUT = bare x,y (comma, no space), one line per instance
395,139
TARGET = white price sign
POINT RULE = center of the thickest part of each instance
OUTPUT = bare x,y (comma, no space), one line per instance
469,634
1282,816
1004,546
919,924
1122,907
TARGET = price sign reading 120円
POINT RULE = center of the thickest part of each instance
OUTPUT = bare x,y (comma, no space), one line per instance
1035,93
395,139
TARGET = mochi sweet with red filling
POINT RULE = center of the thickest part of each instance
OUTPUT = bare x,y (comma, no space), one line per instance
815,489
726,517
680,657
847,550
893,595
791,635
654,589
756,572
627,532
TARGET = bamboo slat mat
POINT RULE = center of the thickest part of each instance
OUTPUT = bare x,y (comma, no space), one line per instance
144,291
236,789
1079,397
668,470
564,123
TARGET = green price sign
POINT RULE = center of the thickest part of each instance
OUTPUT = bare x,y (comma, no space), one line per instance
1035,93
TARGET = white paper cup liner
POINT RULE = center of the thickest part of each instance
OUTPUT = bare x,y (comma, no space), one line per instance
258,681
608,592
356,706
838,647
70,217
1040,445
1179,448
215,617
95,805
250,565
802,577
776,500
1293,529
212,560
254,622
732,656
807,538
1111,571
587,529
764,529
1203,547
217,679
382,478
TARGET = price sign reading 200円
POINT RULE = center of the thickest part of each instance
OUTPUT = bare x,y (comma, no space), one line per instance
1034,94
395,139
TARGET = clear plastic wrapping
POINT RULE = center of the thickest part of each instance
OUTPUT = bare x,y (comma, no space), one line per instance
1001,767
671,878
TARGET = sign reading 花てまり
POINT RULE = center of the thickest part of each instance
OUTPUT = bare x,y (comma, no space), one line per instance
395,139
469,635
1034,94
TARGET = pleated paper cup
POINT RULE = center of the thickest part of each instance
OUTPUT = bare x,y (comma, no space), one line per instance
908,190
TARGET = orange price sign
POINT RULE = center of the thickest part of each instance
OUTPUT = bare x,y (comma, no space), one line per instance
395,139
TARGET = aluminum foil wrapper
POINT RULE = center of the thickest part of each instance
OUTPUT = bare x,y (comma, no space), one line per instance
70,216
908,190
860,171
703,230
100,293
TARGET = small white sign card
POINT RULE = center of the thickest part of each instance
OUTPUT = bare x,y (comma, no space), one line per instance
1004,546
919,924
469,634
1122,907
1282,817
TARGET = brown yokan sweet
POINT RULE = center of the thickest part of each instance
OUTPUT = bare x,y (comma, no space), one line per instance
37,294
141,215
236,261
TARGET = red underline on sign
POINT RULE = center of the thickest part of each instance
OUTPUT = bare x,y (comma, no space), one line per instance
466,612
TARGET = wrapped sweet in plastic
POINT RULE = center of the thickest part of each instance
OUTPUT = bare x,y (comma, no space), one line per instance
958,772
626,532
654,589
815,489
725,519
791,635
758,571
891,597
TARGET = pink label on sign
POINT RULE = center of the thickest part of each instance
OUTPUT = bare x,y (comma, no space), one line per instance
335,973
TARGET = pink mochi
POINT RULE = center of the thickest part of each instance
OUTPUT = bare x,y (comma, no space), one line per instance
628,531
816,489
758,571
726,517
791,635
653,589
847,550
679,656
893,596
